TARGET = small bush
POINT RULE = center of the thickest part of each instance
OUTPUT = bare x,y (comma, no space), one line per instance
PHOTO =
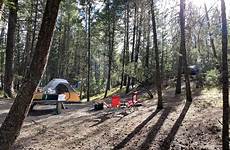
212,77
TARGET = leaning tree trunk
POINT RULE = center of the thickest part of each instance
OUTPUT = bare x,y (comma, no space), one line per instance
158,75
183,50
10,128
8,77
225,131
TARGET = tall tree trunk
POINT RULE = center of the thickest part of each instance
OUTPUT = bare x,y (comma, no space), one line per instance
210,34
89,66
138,43
183,50
148,45
225,130
2,35
111,45
162,56
8,77
123,65
179,71
26,56
108,47
127,44
34,30
158,75
1,8
10,128
17,55
134,37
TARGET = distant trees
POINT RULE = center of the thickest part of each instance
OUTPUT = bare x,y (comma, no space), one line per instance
210,34
225,79
122,48
10,128
104,44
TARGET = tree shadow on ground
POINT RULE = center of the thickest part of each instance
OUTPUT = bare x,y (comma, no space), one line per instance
170,137
135,131
154,129
101,119
171,101
2,117
42,112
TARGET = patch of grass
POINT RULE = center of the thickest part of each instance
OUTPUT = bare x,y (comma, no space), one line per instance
111,92
1,93
211,97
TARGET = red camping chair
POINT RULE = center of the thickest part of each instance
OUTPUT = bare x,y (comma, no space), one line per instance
116,101
133,101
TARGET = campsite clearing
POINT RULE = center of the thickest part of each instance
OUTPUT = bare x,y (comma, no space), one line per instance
179,124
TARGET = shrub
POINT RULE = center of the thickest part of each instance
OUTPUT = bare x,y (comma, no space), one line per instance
212,77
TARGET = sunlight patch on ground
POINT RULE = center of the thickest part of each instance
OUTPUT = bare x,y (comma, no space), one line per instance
111,92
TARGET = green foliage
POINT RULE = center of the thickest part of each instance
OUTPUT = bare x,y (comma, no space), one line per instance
212,77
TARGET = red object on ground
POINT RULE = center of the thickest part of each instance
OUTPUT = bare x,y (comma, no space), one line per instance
130,102
116,101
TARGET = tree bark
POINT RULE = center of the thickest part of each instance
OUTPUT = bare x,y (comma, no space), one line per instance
225,90
183,50
27,47
179,70
11,126
2,36
34,31
134,37
148,45
123,66
111,45
89,66
158,75
127,45
1,8
8,77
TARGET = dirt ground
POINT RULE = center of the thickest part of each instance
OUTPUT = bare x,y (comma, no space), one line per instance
180,125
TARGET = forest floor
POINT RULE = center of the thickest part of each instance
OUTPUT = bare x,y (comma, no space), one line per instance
179,125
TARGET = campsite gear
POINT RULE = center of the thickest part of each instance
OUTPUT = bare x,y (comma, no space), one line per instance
55,92
193,70
107,105
54,88
134,101
134,98
99,106
116,101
